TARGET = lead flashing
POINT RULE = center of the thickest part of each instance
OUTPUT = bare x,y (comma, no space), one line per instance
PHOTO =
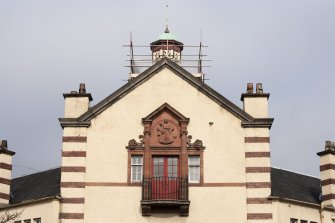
254,95
6,151
73,95
73,122
326,152
258,123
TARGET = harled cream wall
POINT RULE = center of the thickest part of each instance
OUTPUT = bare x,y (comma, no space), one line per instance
107,157
47,210
110,132
284,211
122,204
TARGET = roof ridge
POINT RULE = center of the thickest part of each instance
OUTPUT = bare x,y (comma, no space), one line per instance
54,168
303,174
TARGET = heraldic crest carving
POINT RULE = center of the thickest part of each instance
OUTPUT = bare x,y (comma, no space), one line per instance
166,132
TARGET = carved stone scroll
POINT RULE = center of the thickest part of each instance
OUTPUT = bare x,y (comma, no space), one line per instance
197,144
132,144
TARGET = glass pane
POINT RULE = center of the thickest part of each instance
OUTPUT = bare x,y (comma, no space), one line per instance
155,171
170,170
136,160
175,161
175,169
161,171
193,160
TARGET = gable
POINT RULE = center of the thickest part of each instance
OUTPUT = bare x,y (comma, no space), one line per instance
177,70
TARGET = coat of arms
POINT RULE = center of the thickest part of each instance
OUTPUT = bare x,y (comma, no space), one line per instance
165,132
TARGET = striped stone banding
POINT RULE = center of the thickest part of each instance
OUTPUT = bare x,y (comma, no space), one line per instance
259,185
106,184
74,139
256,154
6,166
258,200
71,215
4,196
327,167
81,169
4,181
74,154
223,185
73,200
257,169
257,139
259,216
327,182
327,197
73,184
120,184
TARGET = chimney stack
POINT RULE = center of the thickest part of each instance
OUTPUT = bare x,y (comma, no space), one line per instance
5,171
327,174
255,103
76,103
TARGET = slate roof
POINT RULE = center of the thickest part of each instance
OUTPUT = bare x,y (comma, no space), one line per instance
285,184
35,186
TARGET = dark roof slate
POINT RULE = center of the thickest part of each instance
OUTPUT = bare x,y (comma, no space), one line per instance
35,186
287,184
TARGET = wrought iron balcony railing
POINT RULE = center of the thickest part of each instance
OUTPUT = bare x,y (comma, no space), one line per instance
165,188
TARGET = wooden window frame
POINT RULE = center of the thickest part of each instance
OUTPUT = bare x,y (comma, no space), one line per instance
165,152
131,169
197,159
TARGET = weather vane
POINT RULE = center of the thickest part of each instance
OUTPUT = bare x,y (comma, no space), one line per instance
167,18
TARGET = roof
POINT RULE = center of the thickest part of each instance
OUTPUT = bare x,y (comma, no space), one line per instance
35,186
285,184
167,36
295,186
247,120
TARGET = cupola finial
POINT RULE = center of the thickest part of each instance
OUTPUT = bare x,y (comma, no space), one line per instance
167,29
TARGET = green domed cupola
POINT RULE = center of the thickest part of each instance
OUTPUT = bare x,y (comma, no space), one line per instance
166,46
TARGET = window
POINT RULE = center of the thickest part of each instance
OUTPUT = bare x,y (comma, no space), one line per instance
17,221
194,169
37,220
27,221
136,168
303,221
293,220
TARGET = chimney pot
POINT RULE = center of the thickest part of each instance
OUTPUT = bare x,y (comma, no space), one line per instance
250,88
330,145
259,88
82,88
4,144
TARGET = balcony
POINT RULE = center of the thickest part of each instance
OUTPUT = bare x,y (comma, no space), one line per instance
165,192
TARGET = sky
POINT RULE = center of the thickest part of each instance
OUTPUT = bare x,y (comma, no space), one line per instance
48,47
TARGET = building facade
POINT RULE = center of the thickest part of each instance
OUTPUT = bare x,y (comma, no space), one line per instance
166,147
